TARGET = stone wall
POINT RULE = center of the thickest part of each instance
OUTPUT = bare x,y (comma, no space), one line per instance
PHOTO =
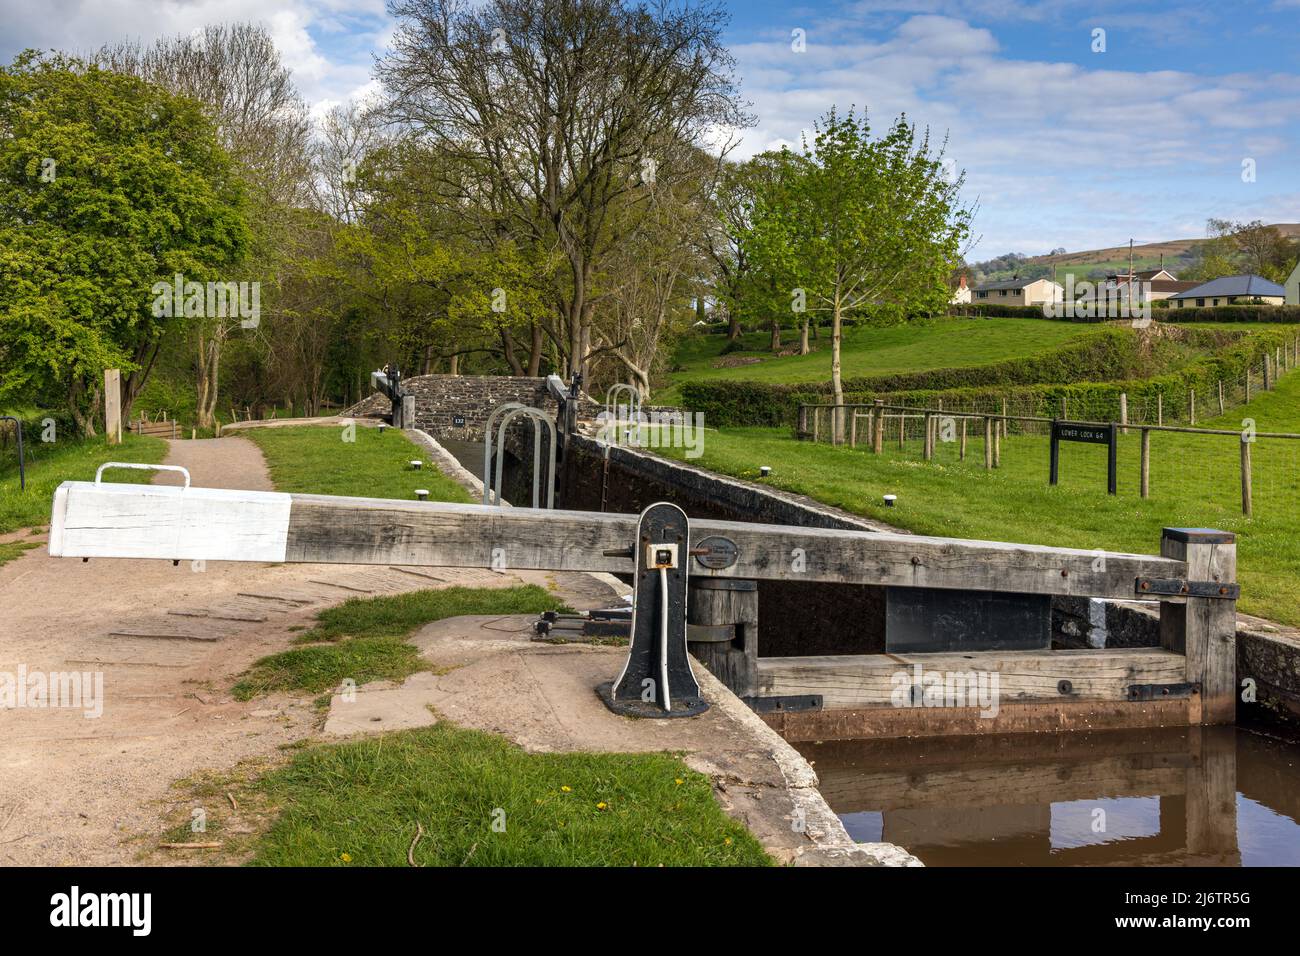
441,399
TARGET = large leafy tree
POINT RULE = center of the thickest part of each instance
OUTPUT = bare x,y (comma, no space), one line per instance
108,184
857,225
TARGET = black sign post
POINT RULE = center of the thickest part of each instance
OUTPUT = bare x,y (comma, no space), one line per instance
1093,435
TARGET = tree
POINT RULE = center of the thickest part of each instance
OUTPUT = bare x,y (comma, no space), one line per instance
862,226
108,184
236,72
559,111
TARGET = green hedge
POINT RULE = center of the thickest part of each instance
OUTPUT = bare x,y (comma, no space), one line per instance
1105,354
1236,313
1099,399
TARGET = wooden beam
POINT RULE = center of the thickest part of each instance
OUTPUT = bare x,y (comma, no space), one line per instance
1205,629
869,680
158,521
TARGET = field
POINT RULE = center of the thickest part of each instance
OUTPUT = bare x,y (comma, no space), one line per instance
871,350
1194,483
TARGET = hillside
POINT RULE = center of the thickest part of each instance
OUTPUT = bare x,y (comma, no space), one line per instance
1087,264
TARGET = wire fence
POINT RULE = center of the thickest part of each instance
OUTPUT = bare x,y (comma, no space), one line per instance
1174,455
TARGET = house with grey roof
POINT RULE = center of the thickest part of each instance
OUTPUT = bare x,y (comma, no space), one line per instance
1230,290
1018,291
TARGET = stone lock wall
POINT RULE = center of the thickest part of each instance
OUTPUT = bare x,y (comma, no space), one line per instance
441,400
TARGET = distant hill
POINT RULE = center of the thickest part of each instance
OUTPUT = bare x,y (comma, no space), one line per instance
1097,263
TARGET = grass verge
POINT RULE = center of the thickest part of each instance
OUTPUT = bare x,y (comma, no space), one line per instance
472,798
314,459
1195,482
365,638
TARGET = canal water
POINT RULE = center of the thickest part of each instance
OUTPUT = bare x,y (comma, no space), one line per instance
1219,796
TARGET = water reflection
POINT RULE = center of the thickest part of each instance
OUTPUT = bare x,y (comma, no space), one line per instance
1180,797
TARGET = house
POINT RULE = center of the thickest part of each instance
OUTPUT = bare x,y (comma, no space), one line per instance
960,292
1153,284
1019,291
1293,287
1230,290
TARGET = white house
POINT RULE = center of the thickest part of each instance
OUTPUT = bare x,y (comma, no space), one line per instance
1019,292
1293,287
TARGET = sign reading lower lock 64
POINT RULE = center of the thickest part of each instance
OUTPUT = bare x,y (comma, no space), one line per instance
1090,433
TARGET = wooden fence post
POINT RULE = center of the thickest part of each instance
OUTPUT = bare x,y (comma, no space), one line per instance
928,447
962,454
113,405
1123,412
1191,405
1220,396
1160,408
722,630
998,426
817,418
878,435
988,443
1267,363
1204,629
1247,505
1146,463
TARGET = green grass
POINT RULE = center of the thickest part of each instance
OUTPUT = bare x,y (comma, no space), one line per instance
313,459
365,638
50,464
868,350
358,804
1195,482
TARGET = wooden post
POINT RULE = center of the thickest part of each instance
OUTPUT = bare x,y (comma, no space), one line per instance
722,630
1247,505
817,418
853,428
1204,629
803,421
963,440
878,435
113,405
928,448
1160,408
1220,396
1146,463
1065,408
1267,377
997,443
902,430
1247,383
1123,411
1191,405
988,443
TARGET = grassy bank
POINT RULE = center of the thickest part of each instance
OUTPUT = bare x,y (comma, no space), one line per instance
868,350
313,459
49,464
1195,482
365,638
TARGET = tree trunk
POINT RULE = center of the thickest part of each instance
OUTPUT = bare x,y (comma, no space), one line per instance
733,326
804,348
776,336
455,364
535,351
837,381
508,348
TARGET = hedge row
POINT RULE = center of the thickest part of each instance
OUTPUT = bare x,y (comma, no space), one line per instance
1100,399
1104,354
1219,313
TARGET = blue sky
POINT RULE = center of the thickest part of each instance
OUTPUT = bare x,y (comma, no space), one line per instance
1062,145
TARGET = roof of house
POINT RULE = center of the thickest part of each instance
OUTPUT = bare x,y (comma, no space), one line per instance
1164,285
1009,284
1145,276
1247,285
